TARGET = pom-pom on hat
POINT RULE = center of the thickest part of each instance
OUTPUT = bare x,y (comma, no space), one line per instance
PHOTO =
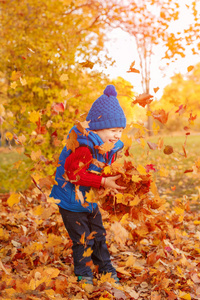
106,111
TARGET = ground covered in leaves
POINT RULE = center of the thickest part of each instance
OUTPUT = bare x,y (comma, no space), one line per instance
154,245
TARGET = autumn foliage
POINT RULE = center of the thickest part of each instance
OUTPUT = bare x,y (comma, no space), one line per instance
49,77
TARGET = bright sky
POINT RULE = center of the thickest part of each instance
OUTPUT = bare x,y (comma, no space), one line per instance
122,49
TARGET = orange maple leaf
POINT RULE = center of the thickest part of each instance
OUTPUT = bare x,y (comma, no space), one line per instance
132,69
160,115
106,147
143,99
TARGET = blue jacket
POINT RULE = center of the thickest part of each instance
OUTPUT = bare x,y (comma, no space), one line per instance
65,190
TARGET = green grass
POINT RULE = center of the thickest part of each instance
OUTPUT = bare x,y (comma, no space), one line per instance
13,179
173,165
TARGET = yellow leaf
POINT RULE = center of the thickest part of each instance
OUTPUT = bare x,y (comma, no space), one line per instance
13,85
9,136
64,77
34,116
155,128
23,81
50,293
141,170
123,271
196,222
38,210
154,188
82,239
90,196
88,252
179,210
15,75
52,272
149,113
135,202
36,155
17,164
136,178
107,170
130,261
184,295
13,199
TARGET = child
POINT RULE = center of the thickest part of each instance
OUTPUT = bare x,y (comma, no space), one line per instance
106,123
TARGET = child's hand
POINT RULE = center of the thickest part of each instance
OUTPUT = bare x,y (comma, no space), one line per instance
109,182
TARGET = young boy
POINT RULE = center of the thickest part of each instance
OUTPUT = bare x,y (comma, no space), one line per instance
106,123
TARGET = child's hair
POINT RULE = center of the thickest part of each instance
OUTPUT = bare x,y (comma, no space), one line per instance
106,111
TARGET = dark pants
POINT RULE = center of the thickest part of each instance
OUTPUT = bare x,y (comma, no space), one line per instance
78,223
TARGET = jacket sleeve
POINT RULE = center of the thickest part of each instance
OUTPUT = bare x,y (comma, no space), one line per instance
76,165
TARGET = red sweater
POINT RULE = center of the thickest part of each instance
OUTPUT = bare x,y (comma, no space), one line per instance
76,166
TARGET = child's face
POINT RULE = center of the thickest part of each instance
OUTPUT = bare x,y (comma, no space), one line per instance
111,135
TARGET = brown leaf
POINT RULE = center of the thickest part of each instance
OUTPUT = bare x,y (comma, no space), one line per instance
72,142
81,126
168,150
152,146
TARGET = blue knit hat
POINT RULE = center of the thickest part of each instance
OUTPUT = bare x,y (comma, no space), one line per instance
106,111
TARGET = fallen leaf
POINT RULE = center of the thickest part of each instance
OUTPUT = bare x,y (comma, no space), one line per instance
160,115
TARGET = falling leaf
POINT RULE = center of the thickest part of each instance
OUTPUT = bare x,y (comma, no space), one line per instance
156,89
141,170
106,147
82,239
9,136
160,115
82,126
58,107
88,252
152,146
72,142
190,68
192,118
181,109
13,199
155,128
132,69
168,150
150,167
143,99
91,236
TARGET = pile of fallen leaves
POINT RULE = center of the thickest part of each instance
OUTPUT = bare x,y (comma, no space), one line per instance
154,246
